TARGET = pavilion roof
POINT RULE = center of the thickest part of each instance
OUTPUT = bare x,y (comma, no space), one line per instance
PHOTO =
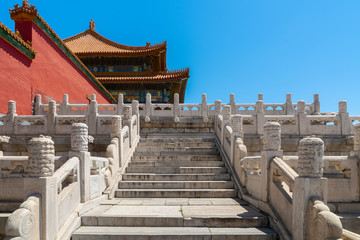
169,76
91,42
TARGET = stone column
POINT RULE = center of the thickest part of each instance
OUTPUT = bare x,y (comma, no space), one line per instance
232,103
176,109
148,108
302,119
120,104
79,148
308,184
64,105
10,117
261,97
344,118
289,105
204,108
260,119
271,148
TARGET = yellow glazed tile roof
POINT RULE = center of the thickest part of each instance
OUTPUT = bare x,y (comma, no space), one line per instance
90,42
169,76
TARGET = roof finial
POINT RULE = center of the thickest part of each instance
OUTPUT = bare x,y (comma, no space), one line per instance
92,25
26,3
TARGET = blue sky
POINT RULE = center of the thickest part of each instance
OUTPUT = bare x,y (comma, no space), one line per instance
244,47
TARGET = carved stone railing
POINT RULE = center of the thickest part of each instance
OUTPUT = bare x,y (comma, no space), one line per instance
66,192
271,184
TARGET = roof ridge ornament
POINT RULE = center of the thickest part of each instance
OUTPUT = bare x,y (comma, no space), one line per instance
25,12
92,25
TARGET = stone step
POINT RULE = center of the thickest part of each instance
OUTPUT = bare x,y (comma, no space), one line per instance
166,139
175,157
177,153
175,193
177,144
153,214
172,233
176,184
350,221
177,163
177,149
176,177
175,170
176,130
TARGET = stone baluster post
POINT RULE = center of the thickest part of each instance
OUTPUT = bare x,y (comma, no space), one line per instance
356,151
288,105
136,112
236,123
40,181
127,111
176,109
204,108
271,148
148,108
260,97
232,103
120,104
308,184
316,103
10,118
226,114
260,116
116,127
93,115
79,148
216,122
37,105
217,107
302,118
64,105
51,117
41,157
345,122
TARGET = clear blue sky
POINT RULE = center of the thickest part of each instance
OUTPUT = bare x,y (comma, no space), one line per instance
244,47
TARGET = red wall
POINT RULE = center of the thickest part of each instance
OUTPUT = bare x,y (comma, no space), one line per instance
51,73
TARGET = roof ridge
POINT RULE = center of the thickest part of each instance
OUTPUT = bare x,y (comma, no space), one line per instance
112,43
17,38
77,61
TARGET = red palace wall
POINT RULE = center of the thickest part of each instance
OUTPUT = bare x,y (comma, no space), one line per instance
51,74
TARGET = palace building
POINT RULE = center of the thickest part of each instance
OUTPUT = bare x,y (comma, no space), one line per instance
35,61
131,71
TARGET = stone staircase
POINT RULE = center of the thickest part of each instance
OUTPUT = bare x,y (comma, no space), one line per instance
175,187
